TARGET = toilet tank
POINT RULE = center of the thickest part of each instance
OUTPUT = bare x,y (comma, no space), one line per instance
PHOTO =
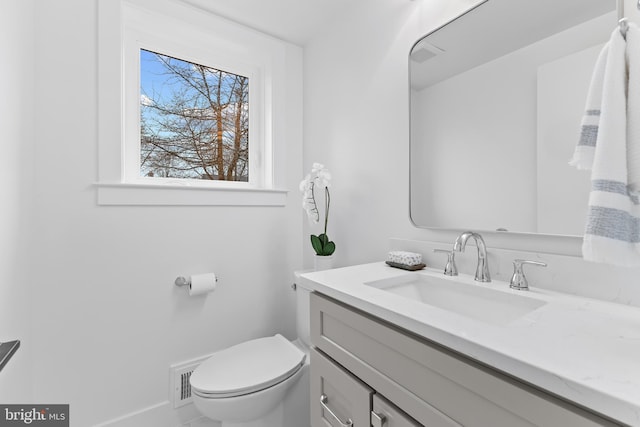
302,310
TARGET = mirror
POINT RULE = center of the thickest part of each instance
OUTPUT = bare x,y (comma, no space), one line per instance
497,97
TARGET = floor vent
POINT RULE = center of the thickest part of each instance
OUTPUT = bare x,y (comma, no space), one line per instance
180,385
185,387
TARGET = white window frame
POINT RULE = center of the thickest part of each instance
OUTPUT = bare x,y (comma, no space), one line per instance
125,27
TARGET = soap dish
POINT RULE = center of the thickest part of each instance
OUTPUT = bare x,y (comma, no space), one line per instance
405,266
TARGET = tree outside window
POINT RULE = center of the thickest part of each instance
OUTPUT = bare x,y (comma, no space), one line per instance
194,120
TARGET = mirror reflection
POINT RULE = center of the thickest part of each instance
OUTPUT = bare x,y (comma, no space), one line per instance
497,96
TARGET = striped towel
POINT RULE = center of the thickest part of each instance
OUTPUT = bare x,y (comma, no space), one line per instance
585,150
612,233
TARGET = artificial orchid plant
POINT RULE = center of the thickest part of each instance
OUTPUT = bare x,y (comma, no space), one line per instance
318,179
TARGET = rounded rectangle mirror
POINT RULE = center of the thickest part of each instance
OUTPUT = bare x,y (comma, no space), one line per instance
496,100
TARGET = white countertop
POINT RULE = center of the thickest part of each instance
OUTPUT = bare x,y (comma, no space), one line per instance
584,350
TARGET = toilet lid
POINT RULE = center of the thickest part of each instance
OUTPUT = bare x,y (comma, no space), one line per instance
247,367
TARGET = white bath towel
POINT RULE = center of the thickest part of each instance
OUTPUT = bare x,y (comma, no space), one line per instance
612,233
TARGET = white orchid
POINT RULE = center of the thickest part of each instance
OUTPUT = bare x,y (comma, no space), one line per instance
322,175
308,200
319,178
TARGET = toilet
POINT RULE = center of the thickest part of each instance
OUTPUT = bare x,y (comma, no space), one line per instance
258,383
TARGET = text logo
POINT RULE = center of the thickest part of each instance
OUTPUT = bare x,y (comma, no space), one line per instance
34,415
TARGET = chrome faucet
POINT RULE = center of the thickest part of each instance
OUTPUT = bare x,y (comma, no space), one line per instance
450,269
482,270
519,280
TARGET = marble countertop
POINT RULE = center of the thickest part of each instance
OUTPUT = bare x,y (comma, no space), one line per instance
585,350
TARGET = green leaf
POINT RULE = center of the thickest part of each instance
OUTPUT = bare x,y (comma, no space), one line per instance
329,248
317,244
324,239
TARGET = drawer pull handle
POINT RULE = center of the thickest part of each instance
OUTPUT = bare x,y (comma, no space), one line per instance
378,420
323,402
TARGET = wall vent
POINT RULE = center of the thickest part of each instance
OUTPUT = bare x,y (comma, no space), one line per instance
424,51
180,385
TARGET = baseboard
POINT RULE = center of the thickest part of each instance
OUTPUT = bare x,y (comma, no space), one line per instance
162,415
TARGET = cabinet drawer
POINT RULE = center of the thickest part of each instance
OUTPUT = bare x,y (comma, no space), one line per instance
338,399
386,414
429,382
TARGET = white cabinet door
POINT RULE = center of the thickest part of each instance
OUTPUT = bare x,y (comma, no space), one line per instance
338,399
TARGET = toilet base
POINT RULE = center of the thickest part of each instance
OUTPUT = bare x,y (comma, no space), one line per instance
272,419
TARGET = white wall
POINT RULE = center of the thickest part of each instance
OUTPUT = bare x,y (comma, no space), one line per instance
562,88
107,319
17,105
356,122
476,137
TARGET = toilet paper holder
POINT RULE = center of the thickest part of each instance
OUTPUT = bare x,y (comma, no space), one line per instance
183,281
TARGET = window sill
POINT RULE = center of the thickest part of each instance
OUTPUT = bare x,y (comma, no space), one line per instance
128,194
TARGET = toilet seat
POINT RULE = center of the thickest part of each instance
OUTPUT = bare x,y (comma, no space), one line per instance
246,368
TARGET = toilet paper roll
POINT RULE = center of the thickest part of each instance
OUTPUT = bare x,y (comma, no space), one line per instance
202,284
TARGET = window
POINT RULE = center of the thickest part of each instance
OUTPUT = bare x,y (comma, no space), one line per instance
194,120
190,108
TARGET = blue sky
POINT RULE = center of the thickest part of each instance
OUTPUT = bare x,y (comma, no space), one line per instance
151,74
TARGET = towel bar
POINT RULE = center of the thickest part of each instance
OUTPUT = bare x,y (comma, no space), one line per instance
624,26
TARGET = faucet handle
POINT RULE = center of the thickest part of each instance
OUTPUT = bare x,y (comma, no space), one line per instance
450,269
519,280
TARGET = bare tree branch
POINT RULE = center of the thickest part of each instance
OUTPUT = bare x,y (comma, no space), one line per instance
197,125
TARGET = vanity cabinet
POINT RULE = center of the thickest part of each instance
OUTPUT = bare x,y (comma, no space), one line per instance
359,361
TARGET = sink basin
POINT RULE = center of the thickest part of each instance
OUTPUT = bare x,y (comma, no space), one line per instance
474,300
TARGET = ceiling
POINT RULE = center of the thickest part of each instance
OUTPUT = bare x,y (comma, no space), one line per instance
496,28
295,21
